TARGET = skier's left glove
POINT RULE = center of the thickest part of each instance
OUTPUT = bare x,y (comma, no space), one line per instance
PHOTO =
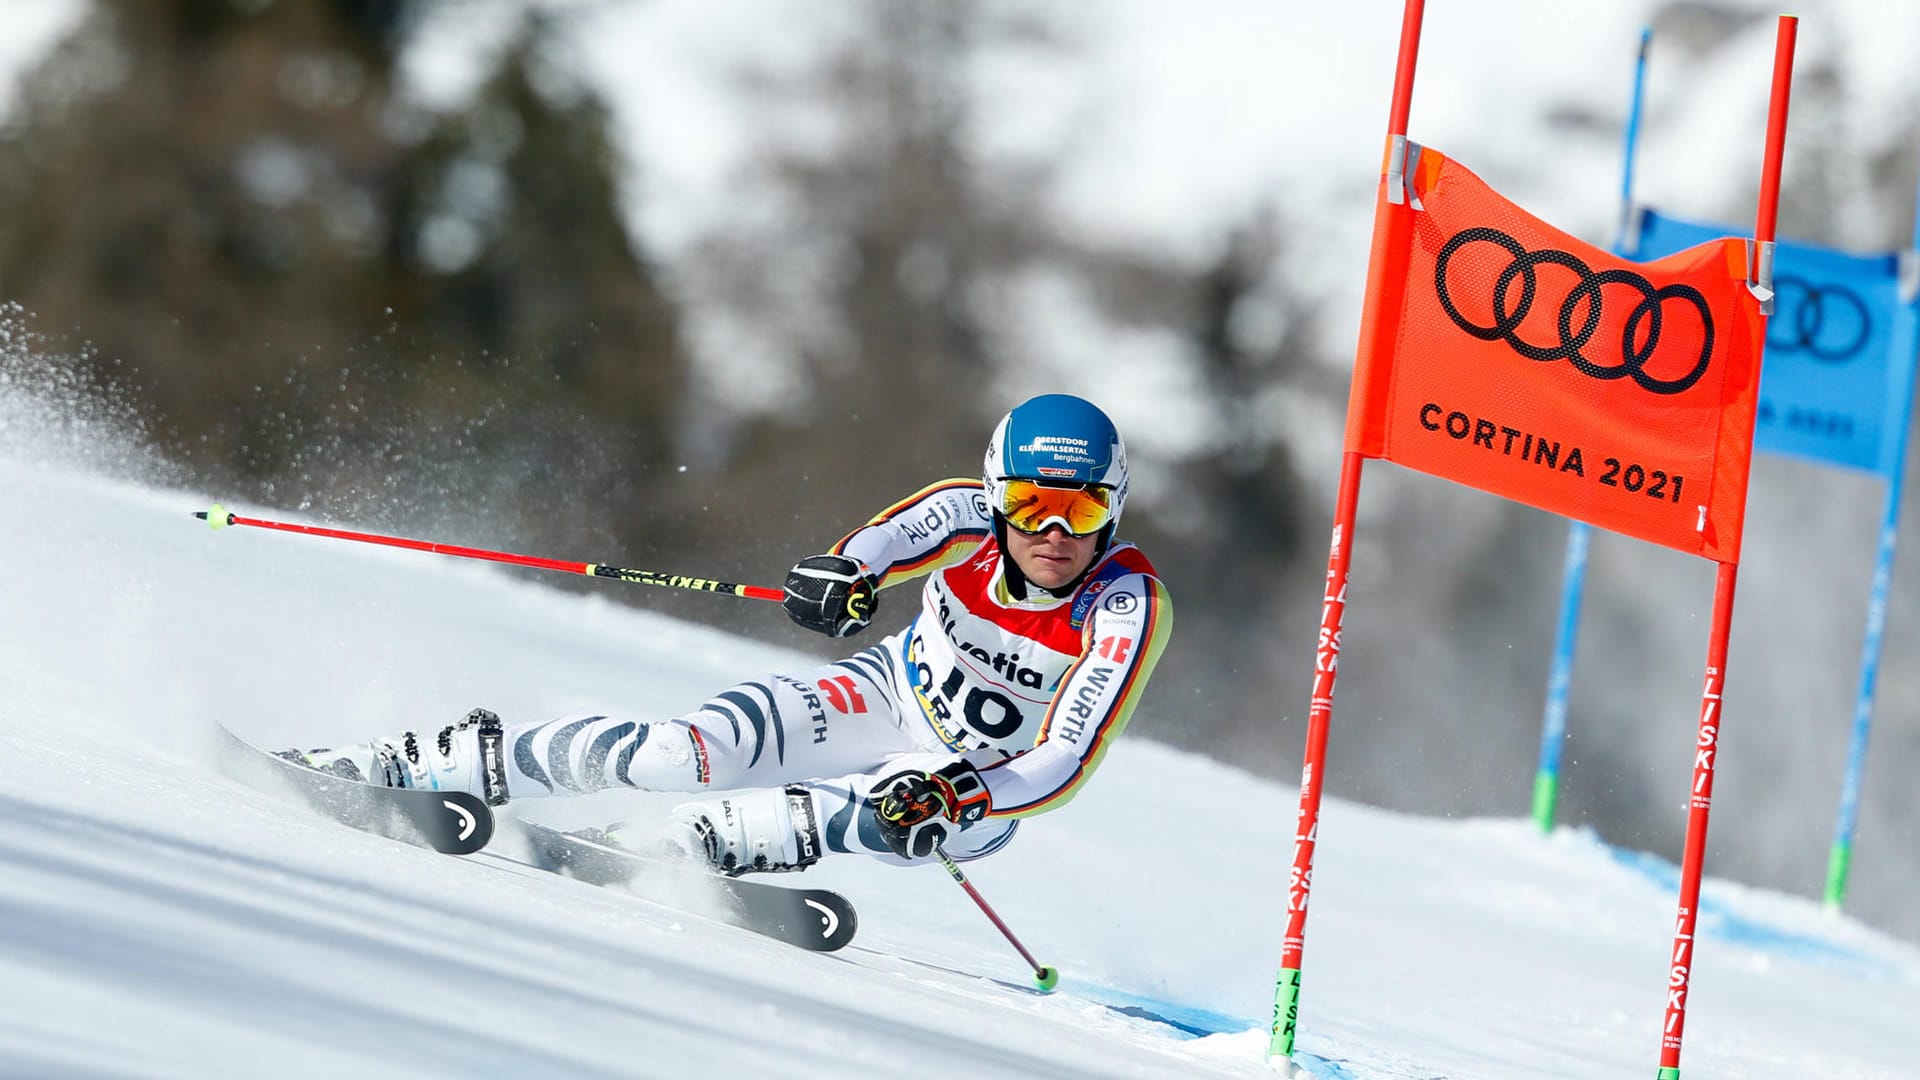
916,809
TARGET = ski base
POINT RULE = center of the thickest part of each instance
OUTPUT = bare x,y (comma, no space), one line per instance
455,822
816,919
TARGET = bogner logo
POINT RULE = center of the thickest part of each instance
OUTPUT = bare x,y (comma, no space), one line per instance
1579,311
1007,666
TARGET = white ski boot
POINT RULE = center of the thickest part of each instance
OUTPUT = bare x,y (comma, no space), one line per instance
462,757
767,831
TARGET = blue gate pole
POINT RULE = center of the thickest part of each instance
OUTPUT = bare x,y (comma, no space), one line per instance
1553,726
1840,859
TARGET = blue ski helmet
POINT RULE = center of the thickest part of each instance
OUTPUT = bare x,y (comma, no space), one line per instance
1060,439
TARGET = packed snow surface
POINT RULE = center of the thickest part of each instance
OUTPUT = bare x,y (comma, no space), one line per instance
159,919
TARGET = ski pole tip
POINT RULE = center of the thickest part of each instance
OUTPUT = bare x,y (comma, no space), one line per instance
1047,978
216,517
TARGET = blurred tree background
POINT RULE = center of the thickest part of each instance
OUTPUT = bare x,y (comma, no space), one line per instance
324,296
320,297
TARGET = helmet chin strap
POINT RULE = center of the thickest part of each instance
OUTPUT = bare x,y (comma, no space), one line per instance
1017,582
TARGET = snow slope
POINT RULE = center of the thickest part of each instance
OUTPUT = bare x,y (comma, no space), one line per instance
157,919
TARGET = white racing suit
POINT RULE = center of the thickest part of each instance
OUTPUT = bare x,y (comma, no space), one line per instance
1030,692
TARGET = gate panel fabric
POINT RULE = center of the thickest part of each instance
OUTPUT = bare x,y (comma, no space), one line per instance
1529,364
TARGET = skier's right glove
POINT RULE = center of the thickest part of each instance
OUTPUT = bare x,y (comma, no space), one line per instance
829,594
915,810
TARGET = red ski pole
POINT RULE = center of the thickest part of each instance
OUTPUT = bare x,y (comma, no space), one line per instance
219,518
1046,978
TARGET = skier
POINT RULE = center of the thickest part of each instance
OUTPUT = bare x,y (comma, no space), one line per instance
1034,639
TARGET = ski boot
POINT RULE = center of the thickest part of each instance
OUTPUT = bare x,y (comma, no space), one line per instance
771,831
462,757
756,832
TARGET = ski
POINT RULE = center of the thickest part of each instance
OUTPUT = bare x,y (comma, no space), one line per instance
454,822
816,919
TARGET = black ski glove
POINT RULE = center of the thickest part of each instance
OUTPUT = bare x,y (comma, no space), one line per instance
829,594
915,810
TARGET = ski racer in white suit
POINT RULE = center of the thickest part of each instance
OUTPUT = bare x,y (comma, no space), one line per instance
1034,638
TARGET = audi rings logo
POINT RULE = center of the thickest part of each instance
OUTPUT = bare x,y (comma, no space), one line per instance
1826,322
1639,336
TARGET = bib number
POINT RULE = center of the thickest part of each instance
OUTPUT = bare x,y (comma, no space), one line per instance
985,712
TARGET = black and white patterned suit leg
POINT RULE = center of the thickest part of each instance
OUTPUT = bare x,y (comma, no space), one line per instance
825,721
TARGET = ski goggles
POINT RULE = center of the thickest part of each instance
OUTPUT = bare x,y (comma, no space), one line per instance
1031,506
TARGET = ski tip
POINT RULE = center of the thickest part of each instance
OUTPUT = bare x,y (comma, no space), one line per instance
216,518
1046,979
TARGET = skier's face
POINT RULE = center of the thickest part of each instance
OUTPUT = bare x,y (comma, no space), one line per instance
1052,558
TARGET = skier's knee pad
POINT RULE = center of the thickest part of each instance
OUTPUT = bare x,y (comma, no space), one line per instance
704,749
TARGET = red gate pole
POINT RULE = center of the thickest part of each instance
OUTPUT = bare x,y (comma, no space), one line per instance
1706,745
1392,231
1707,739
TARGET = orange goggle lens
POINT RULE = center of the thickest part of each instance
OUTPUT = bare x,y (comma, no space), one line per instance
1031,507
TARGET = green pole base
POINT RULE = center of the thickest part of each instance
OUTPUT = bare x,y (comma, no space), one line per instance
1046,979
1838,862
1286,1012
1546,792
1667,1074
